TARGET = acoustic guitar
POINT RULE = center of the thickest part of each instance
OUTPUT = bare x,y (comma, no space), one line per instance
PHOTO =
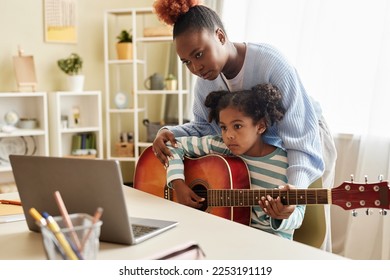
225,184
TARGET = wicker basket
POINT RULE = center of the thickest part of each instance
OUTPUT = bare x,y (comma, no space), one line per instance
124,149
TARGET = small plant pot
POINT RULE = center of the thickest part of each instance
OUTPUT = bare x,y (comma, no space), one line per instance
75,83
124,50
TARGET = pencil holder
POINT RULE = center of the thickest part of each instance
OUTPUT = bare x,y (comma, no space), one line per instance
78,243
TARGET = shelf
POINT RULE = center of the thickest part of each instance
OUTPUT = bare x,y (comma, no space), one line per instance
144,144
31,105
77,93
23,132
22,94
125,61
176,92
150,55
62,132
162,39
80,129
122,158
125,111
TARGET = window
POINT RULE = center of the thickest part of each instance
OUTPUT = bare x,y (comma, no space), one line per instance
339,48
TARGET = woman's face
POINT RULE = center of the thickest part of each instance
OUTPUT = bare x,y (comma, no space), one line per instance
203,52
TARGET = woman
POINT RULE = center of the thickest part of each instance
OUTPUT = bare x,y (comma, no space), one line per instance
203,45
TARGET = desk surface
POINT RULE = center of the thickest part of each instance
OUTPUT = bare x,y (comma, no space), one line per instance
219,238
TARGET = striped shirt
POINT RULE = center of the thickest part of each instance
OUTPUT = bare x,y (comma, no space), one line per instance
298,131
267,172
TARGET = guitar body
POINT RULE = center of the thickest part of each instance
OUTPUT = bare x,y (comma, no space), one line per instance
218,172
150,175
201,174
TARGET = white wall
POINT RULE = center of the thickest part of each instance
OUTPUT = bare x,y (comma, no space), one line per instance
22,23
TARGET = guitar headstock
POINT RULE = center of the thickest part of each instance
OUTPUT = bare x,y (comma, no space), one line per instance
351,195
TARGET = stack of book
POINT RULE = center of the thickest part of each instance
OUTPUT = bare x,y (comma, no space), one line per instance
84,144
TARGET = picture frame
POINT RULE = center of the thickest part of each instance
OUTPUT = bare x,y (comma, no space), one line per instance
60,21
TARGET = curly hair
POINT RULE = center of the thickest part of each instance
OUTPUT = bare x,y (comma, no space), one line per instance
261,101
187,15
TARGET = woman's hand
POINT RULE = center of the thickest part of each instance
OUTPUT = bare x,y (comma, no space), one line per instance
160,149
185,195
274,207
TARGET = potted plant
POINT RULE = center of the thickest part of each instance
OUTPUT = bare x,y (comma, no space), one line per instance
171,82
124,45
72,66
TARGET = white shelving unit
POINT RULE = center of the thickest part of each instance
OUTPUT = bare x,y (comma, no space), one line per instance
63,126
128,76
35,141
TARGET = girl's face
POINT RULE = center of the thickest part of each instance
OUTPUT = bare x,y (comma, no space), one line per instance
239,133
203,52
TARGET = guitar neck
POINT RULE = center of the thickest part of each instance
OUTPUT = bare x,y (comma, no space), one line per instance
245,197
231,187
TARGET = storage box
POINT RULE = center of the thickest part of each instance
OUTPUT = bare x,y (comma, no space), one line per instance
157,31
124,149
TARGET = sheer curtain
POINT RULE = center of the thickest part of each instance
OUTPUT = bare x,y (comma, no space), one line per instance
341,50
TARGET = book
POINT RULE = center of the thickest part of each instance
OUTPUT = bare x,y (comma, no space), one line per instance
76,142
11,213
83,143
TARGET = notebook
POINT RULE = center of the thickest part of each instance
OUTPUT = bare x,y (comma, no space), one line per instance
85,185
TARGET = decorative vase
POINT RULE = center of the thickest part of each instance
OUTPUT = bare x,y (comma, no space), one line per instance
75,83
124,50
171,84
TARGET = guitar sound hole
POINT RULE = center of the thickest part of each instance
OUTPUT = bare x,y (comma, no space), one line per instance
201,191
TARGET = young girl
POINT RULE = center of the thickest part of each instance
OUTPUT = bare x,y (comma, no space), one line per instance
243,117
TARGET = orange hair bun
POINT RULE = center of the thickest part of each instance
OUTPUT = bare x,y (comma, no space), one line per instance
168,11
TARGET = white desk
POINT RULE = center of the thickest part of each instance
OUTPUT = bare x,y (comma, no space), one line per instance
220,239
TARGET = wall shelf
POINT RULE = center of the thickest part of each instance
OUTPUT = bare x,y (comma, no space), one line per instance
62,104
128,76
31,105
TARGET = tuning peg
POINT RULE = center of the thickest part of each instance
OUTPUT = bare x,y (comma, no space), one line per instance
351,178
380,178
365,179
368,212
383,212
354,213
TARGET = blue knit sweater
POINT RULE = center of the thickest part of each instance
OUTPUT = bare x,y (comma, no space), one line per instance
297,133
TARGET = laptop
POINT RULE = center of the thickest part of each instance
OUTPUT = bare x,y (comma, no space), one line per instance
84,185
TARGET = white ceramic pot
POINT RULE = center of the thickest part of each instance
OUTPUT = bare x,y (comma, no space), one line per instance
75,83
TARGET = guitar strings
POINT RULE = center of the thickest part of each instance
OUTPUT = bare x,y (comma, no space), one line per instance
228,197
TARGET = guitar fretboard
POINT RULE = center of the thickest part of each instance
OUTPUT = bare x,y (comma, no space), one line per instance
246,197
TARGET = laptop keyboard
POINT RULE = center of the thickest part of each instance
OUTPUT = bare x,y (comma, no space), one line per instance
140,230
